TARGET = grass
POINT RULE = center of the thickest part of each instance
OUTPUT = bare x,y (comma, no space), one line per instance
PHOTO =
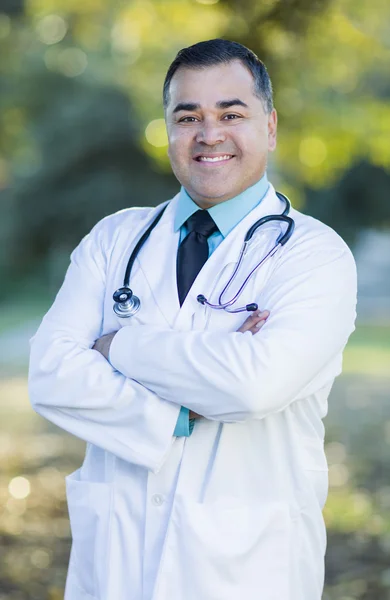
368,351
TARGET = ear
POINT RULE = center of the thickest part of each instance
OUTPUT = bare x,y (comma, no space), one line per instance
272,128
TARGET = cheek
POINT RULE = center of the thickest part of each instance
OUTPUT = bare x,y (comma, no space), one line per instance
251,140
178,148
258,146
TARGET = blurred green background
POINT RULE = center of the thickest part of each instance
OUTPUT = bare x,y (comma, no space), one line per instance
82,135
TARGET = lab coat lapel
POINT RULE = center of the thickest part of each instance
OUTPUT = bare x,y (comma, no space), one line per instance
157,261
218,267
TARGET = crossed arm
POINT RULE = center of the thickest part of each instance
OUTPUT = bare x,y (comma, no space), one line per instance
234,376
77,389
253,323
131,410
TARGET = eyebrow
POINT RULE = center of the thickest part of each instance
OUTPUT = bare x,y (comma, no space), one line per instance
191,106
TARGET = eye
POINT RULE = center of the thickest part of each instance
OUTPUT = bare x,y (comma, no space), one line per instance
187,120
231,117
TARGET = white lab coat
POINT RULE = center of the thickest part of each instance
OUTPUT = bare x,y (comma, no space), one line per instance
234,511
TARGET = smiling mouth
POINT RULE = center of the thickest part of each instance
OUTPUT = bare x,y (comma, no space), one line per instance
213,160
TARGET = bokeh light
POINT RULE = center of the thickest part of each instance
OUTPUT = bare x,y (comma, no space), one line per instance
72,62
19,487
338,475
124,38
51,29
40,558
156,133
312,151
336,452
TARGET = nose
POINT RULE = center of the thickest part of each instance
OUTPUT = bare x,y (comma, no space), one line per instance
211,133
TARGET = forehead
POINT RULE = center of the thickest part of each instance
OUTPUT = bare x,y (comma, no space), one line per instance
208,85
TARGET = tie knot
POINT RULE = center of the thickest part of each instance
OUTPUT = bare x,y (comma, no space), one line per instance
201,222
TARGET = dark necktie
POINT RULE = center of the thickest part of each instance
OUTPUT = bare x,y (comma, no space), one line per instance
193,251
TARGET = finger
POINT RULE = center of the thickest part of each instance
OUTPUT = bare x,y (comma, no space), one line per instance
252,319
256,328
256,318
256,315
260,324
248,323
264,314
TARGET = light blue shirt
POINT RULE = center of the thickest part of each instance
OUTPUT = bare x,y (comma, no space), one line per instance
226,216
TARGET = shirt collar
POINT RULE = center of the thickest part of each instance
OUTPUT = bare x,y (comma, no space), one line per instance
227,214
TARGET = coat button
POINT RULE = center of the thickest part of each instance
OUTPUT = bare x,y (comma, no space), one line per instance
157,499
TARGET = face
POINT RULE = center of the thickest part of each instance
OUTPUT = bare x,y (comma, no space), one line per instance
219,132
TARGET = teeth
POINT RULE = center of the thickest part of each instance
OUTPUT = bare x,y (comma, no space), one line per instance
216,159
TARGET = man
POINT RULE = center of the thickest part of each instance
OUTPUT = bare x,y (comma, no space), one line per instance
223,502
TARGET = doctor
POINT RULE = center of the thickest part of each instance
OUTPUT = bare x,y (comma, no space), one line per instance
223,502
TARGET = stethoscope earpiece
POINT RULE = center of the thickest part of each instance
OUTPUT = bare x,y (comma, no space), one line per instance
252,307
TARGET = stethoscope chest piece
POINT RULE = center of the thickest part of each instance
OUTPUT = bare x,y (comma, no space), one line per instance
125,303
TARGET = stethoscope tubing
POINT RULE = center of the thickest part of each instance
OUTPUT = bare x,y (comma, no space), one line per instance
127,304
281,241
139,244
225,305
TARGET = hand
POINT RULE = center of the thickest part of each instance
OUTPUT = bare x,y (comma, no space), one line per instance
194,415
252,323
103,344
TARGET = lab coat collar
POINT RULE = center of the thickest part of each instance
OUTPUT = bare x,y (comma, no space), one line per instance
226,215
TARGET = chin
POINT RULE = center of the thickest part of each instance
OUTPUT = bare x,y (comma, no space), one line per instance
211,194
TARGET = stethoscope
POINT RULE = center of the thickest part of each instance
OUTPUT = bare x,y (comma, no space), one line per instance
127,304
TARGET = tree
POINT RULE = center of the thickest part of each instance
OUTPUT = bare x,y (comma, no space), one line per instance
81,121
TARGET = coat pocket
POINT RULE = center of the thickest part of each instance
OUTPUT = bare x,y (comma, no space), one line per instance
216,552
89,506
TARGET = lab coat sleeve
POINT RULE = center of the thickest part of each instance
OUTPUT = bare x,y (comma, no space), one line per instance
76,388
233,376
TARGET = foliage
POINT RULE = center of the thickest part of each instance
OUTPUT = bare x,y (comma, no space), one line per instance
81,129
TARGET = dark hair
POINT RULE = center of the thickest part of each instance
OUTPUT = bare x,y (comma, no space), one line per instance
218,51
